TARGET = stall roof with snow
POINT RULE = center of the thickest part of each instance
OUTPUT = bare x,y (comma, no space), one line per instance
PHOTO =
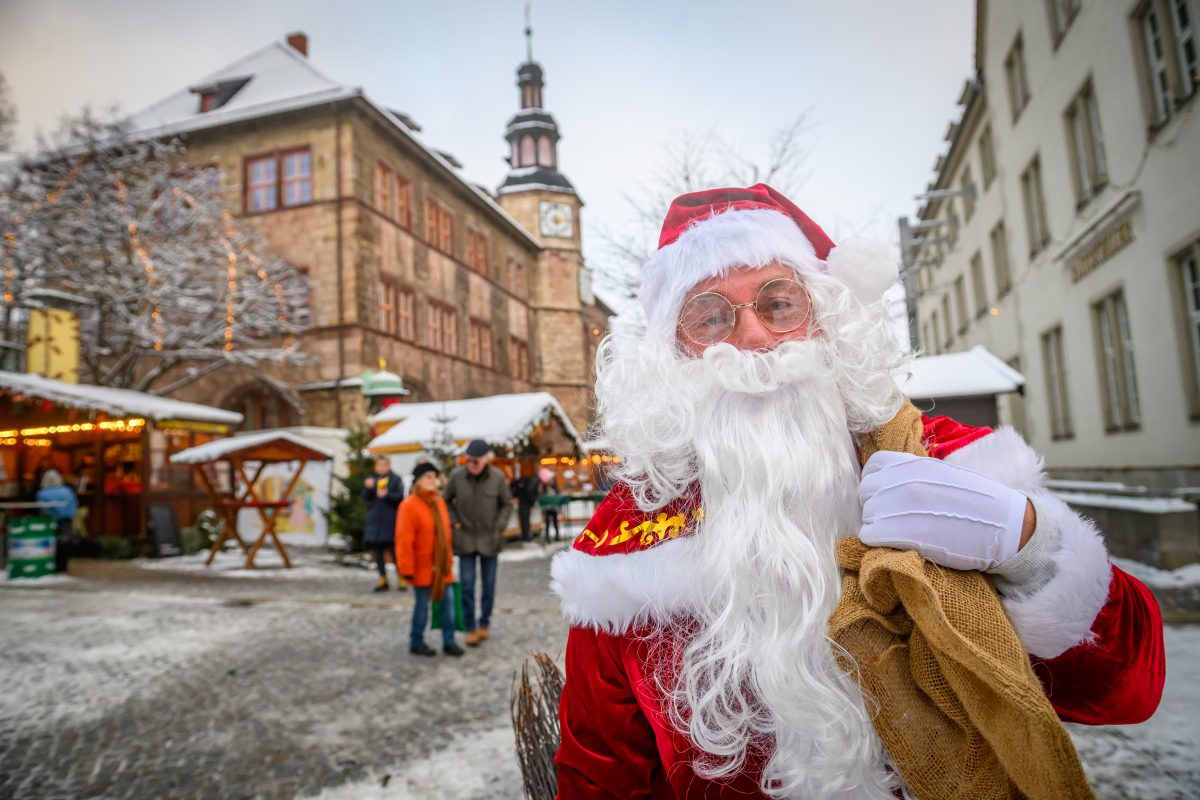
263,446
971,373
505,421
115,402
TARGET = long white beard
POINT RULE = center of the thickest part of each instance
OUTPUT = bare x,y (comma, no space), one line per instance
767,437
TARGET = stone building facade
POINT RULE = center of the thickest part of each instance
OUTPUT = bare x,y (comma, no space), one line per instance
1075,257
409,265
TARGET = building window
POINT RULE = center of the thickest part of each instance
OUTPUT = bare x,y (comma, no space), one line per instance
936,340
1187,265
977,283
439,226
477,250
528,158
392,195
960,303
1122,410
262,191
518,358
926,339
406,306
296,299
1056,384
208,101
947,323
1062,14
987,156
1088,164
968,198
479,344
1169,51
516,276
388,310
1017,78
545,152
999,239
396,307
449,331
1036,228
297,177
433,325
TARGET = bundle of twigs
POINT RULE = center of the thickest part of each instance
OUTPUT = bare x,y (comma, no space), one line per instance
535,723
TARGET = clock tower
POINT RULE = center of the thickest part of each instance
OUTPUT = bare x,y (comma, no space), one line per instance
544,202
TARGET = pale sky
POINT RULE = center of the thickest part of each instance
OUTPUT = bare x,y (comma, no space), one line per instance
623,78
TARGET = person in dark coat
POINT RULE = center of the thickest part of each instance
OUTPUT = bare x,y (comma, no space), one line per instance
480,506
383,492
526,491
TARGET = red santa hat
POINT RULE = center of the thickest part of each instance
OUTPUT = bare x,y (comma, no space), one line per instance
708,233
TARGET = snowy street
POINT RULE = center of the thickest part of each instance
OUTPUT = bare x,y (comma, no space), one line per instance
166,680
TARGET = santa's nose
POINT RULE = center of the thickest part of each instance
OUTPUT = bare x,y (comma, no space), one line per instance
749,332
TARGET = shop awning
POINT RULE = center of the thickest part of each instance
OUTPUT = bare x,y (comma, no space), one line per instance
504,421
115,402
970,373
265,446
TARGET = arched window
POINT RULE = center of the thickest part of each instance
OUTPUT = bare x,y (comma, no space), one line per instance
545,152
527,154
262,406
512,159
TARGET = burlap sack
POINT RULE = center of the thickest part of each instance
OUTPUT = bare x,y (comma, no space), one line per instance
956,702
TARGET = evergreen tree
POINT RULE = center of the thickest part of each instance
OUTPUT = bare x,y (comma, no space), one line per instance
347,509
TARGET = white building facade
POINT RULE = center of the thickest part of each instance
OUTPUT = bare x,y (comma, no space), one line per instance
1077,259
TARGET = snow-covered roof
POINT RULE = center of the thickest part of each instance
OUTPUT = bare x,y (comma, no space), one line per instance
280,79
503,420
967,374
272,444
117,402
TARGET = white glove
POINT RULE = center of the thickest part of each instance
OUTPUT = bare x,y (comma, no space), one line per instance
951,515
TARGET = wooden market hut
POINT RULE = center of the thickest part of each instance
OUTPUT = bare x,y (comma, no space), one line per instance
525,430
968,386
112,446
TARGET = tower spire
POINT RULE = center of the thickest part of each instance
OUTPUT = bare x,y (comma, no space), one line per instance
528,31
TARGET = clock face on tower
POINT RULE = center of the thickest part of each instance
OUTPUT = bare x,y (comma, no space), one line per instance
556,219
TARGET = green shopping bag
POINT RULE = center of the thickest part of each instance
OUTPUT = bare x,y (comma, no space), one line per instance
435,613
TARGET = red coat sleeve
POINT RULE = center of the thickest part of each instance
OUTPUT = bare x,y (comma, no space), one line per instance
608,746
1118,677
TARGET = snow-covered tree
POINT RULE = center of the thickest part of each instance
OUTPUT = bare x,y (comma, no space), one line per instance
441,447
169,287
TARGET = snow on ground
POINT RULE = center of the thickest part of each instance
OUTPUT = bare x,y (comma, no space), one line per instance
1160,758
1157,578
474,766
267,564
45,580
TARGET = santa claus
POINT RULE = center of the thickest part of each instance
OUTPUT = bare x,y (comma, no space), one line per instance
699,662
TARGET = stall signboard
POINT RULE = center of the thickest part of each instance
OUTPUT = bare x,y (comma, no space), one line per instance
30,547
217,428
304,522
52,344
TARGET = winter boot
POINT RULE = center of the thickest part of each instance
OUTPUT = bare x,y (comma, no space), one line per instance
381,585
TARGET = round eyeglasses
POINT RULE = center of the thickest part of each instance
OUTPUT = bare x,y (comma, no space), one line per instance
709,318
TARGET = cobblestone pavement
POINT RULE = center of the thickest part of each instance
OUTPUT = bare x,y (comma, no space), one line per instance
133,680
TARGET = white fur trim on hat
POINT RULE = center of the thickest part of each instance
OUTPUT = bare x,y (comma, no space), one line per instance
868,268
714,245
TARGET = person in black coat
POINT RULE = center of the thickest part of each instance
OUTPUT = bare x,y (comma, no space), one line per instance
383,492
526,491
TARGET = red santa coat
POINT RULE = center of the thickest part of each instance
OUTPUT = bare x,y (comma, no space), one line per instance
1094,633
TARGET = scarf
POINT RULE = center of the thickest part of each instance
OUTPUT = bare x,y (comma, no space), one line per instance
441,553
959,708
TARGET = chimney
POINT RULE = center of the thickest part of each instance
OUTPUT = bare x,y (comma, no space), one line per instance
299,42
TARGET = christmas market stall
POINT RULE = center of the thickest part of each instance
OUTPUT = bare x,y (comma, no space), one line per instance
527,432
112,447
230,469
972,386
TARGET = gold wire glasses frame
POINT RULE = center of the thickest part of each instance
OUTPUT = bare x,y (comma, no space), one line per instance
709,318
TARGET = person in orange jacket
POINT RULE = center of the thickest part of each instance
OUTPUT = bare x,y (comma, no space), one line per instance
424,558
